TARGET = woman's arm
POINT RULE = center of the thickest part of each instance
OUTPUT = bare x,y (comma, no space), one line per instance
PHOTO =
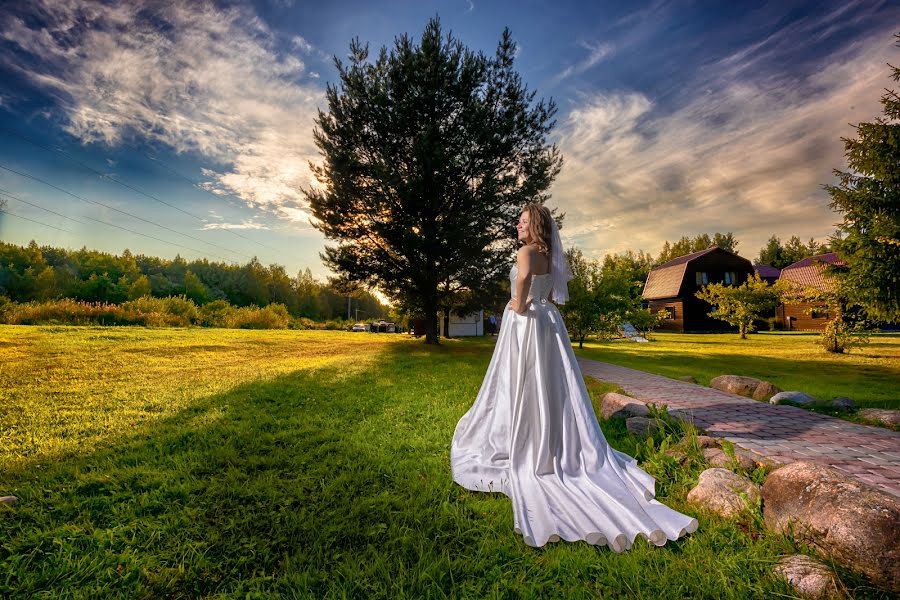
523,279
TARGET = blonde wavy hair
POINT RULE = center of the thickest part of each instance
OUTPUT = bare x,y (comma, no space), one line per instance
539,226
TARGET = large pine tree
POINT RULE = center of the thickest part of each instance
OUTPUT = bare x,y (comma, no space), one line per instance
869,198
430,152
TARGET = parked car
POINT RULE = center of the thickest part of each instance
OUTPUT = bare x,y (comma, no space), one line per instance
383,327
361,327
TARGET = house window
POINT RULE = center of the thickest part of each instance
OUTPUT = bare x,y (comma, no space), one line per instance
702,278
730,277
819,313
670,312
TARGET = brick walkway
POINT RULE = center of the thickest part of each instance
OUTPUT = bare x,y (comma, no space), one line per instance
779,432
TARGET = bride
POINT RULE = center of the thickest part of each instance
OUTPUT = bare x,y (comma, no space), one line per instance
532,433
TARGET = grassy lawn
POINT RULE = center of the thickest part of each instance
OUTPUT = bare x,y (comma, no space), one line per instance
256,464
793,361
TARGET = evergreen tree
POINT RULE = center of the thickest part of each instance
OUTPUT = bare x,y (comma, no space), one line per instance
779,256
430,153
687,245
869,198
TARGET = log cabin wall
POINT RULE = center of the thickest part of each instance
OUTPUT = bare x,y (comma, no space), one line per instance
716,267
798,318
675,307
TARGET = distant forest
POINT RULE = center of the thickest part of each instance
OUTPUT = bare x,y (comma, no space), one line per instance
40,273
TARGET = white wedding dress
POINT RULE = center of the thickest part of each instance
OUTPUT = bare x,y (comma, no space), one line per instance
532,434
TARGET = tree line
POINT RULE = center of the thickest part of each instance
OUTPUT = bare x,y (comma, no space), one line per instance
38,273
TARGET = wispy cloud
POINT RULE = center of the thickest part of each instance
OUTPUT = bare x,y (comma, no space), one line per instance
471,5
195,76
244,225
596,53
747,153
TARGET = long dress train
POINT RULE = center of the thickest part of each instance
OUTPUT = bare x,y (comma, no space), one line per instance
533,435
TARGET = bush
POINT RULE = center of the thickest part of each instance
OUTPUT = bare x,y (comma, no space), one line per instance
65,311
273,316
303,323
839,335
174,311
218,313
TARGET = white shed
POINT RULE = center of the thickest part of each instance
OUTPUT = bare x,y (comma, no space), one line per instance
472,324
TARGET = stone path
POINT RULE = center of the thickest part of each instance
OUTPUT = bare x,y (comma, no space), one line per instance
779,432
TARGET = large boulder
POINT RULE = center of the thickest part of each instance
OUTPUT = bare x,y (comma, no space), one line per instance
798,398
765,390
735,384
882,415
809,577
707,441
723,492
843,403
855,523
618,405
718,458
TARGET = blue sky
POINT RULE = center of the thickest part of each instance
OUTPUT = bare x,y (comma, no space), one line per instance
187,126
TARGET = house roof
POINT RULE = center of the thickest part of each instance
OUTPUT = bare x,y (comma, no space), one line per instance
810,272
664,281
767,271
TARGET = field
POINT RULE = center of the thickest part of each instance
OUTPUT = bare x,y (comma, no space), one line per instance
184,463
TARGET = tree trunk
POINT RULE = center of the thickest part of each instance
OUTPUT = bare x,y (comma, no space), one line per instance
447,324
431,322
743,331
581,343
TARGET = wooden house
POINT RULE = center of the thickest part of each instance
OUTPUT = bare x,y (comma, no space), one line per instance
672,286
809,272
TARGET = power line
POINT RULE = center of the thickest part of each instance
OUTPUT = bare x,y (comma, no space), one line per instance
117,227
47,183
93,170
201,188
9,195
131,187
6,212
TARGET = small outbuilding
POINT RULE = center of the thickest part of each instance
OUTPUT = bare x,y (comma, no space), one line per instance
672,286
470,325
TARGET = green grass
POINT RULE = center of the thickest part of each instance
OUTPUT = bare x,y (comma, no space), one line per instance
792,361
259,464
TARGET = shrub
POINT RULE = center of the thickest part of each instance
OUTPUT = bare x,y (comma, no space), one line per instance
174,311
218,313
273,316
64,311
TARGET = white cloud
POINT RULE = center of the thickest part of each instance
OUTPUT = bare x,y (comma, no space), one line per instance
747,155
212,81
244,225
596,53
301,44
